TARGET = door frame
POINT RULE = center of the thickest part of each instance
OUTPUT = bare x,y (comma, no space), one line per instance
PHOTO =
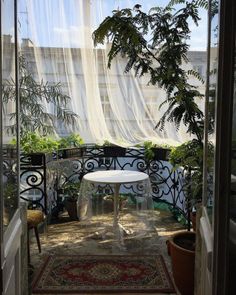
1,158
10,239
224,110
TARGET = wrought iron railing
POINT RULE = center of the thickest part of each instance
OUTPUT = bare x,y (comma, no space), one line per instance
41,180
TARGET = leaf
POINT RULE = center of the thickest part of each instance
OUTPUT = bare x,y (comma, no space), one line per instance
34,97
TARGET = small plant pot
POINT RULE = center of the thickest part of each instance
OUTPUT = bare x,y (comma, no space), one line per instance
71,208
160,154
114,151
70,153
36,159
181,248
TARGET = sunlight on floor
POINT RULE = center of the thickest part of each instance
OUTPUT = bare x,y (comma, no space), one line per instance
143,233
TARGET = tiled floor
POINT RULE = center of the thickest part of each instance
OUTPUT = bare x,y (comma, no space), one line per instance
141,233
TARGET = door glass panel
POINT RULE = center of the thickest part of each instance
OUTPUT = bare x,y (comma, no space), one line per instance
211,102
10,180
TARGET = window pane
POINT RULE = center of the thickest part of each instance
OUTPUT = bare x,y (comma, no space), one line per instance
210,143
10,191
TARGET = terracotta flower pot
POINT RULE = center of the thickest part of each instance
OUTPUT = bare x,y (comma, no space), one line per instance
181,248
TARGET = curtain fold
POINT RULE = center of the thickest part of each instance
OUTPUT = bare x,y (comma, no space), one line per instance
56,40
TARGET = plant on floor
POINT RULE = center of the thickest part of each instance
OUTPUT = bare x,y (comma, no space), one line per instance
34,99
71,190
189,155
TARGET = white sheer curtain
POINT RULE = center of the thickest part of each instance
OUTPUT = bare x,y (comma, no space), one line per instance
57,42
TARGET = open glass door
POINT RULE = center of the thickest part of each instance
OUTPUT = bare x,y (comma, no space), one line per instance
218,251
206,220
11,226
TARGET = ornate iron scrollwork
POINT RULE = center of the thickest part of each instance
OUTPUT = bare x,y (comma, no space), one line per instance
167,185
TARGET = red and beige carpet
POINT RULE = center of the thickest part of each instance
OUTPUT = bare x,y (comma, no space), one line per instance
103,274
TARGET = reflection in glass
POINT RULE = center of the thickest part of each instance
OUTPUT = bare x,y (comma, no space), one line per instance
210,137
10,191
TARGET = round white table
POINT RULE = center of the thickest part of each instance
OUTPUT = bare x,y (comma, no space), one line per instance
116,177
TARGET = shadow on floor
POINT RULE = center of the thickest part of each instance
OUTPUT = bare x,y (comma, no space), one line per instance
138,233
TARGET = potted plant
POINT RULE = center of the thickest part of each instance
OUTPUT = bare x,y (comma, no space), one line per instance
35,147
35,121
70,146
154,151
71,192
189,156
161,56
181,248
112,150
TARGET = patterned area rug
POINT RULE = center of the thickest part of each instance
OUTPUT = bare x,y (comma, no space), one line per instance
110,274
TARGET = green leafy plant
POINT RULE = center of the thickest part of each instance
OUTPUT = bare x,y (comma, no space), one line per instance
190,156
72,140
34,98
71,190
155,43
149,149
32,143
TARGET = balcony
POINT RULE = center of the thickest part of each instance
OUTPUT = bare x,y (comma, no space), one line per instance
43,177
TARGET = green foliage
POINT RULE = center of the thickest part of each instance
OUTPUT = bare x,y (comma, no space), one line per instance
34,99
10,195
149,146
190,156
31,142
107,143
155,43
178,216
73,140
71,190
199,3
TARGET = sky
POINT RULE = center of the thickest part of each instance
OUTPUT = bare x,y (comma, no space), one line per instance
59,22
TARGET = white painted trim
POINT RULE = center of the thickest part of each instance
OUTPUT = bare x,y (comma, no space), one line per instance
207,237
12,234
206,233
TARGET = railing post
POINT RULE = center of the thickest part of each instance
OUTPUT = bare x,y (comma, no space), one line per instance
45,183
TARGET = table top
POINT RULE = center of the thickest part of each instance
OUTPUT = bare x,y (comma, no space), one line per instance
116,176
